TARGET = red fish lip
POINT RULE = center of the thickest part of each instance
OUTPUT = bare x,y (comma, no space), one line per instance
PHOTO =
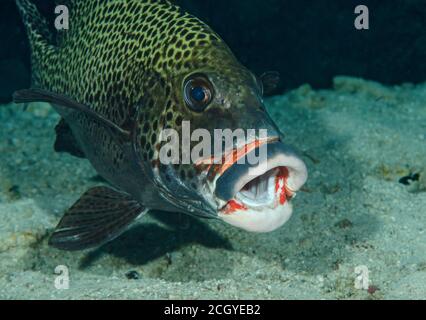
232,206
217,165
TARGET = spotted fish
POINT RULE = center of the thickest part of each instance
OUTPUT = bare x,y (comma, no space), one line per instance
126,71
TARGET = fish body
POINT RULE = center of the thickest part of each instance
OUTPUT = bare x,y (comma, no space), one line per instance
126,71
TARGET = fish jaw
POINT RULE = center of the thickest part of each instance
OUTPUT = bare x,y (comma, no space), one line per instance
261,202
259,221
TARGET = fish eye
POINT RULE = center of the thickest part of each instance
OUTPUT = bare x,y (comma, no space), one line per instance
198,92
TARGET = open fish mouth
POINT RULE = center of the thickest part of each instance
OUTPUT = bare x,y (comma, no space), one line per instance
257,197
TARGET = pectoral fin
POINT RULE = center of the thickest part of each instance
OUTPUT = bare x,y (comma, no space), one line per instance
99,216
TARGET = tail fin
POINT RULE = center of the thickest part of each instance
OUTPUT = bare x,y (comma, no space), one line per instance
39,36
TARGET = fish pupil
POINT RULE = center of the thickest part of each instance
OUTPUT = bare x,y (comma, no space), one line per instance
198,94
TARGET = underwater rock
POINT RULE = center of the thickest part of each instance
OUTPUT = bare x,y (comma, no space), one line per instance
305,96
372,89
40,109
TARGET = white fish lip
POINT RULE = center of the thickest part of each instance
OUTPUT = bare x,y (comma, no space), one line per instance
259,221
267,214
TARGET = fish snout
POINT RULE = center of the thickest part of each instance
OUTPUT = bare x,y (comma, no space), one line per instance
258,193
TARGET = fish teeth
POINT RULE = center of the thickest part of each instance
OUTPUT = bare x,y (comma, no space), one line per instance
259,192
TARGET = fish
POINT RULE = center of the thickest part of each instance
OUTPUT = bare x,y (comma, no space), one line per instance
124,73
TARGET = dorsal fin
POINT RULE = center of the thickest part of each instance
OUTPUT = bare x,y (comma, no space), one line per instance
35,23
40,38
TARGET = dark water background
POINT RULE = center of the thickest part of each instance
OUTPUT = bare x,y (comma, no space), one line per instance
307,41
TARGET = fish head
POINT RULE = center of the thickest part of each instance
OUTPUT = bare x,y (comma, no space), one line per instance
216,151
226,158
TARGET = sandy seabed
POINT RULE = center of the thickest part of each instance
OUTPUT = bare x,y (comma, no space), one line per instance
357,139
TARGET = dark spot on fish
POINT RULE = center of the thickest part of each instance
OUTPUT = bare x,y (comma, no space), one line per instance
162,14
168,89
146,127
153,138
155,125
169,104
156,58
169,116
170,53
